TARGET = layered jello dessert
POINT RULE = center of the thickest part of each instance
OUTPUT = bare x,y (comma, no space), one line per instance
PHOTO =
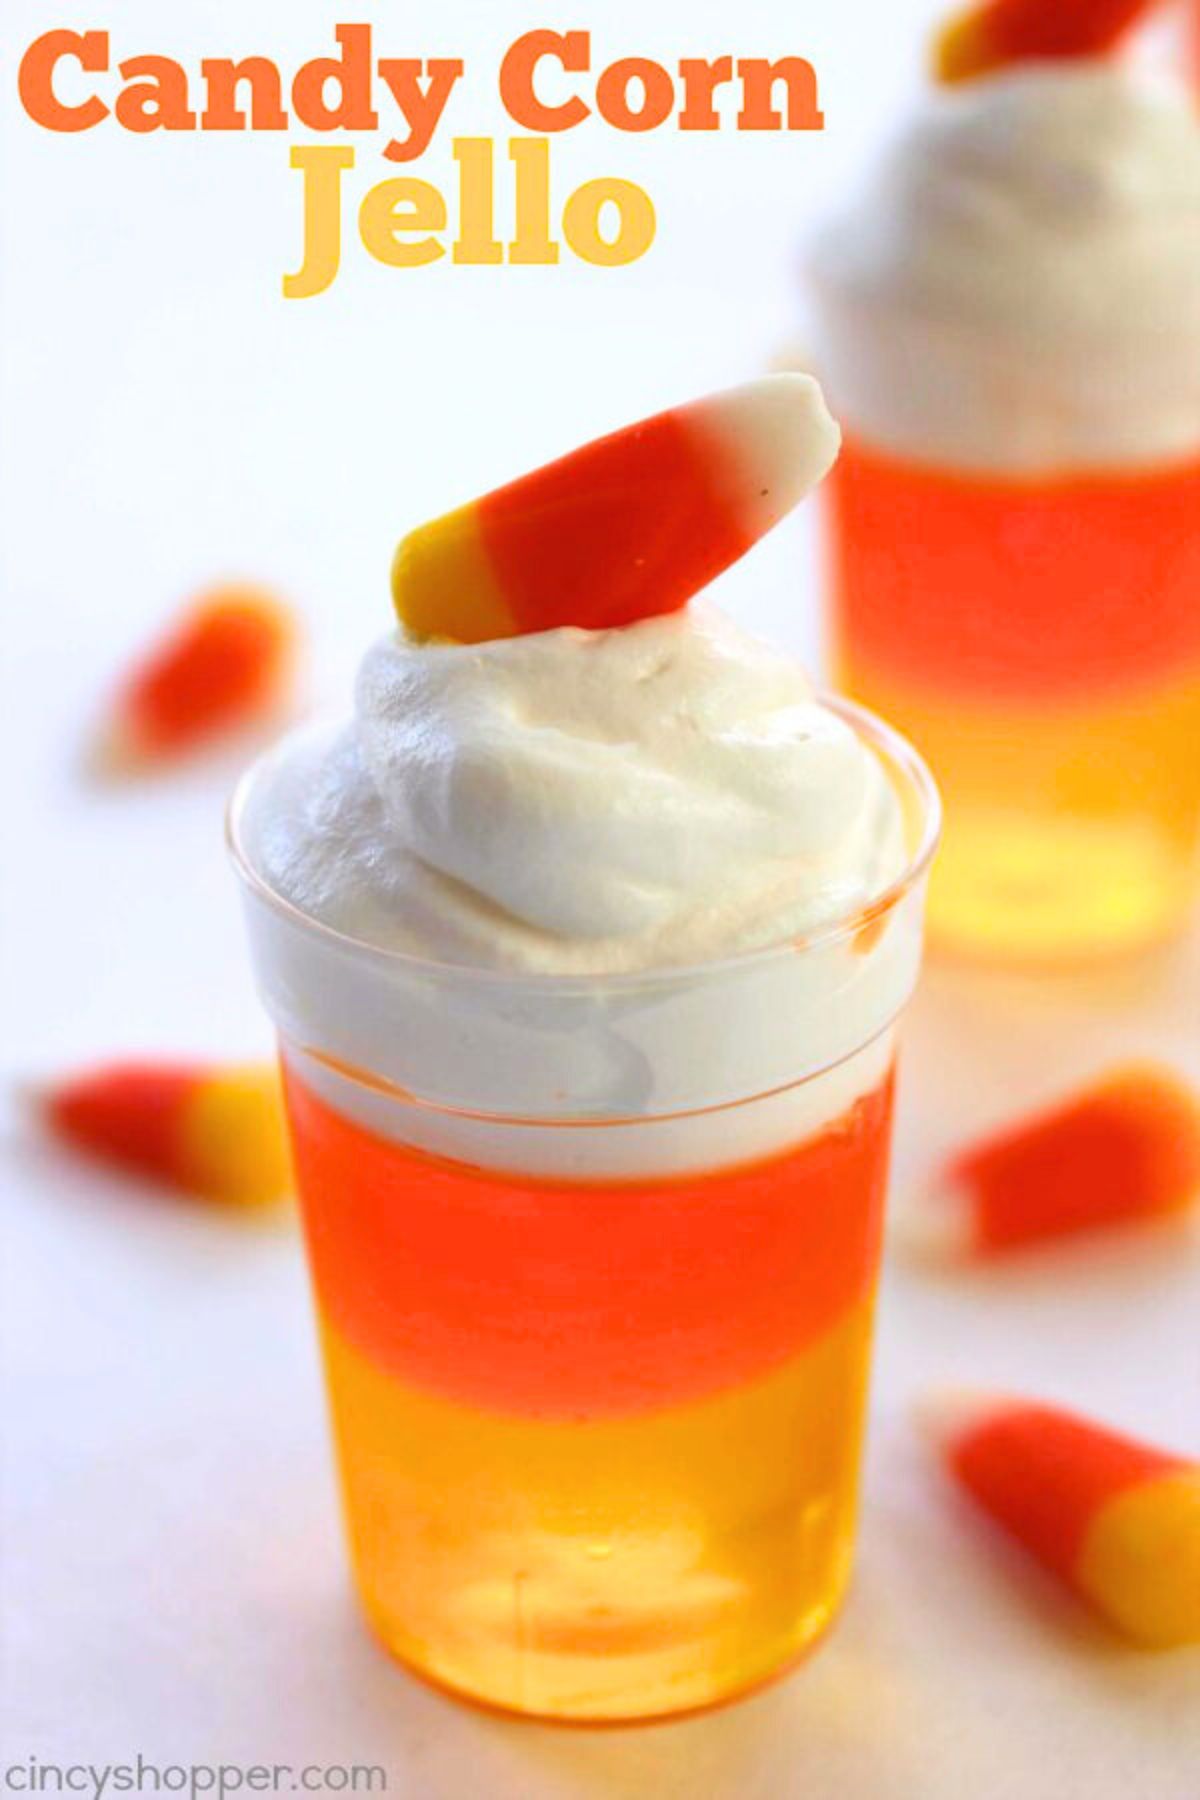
1008,325
586,938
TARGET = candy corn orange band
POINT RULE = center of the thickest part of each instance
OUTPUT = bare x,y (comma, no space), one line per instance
906,614
216,1133
1125,1150
223,665
561,1298
1004,32
128,1115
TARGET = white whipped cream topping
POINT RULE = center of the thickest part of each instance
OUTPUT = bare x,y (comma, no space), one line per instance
572,802
1019,285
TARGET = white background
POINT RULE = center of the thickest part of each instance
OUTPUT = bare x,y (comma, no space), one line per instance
173,1576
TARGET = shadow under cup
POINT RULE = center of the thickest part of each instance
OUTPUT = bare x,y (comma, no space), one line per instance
594,1263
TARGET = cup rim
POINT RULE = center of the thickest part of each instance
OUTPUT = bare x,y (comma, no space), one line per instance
882,738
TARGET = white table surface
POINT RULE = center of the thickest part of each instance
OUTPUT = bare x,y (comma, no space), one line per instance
174,1582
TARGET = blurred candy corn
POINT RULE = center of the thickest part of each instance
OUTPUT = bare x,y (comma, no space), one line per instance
1115,1519
629,526
209,1130
999,33
225,663
1124,1151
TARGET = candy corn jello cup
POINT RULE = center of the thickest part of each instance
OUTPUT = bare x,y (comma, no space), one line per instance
1008,326
586,949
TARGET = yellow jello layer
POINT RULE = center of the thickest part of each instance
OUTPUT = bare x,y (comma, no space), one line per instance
610,1569
1071,830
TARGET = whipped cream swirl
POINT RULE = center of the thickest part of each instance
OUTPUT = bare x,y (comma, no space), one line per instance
1019,285
587,802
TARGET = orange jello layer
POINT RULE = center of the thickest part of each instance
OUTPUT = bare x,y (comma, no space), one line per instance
578,1300
1025,590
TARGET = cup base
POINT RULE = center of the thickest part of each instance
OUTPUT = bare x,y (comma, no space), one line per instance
675,1694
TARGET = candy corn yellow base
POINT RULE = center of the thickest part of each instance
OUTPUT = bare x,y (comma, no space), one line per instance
963,49
1140,1561
1071,832
609,1570
443,576
234,1142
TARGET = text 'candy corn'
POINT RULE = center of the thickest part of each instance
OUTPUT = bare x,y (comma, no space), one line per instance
225,664
1125,1151
627,527
209,1130
1003,32
1115,1519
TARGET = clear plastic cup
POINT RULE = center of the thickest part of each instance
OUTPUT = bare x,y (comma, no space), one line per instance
594,1262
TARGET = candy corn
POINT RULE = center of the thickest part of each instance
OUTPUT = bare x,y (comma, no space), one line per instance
1002,32
216,1132
1124,1151
225,663
629,526
1115,1519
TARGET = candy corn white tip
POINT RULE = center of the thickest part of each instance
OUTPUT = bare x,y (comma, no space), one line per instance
114,753
934,1224
792,357
945,1415
117,752
23,1103
779,438
27,1094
